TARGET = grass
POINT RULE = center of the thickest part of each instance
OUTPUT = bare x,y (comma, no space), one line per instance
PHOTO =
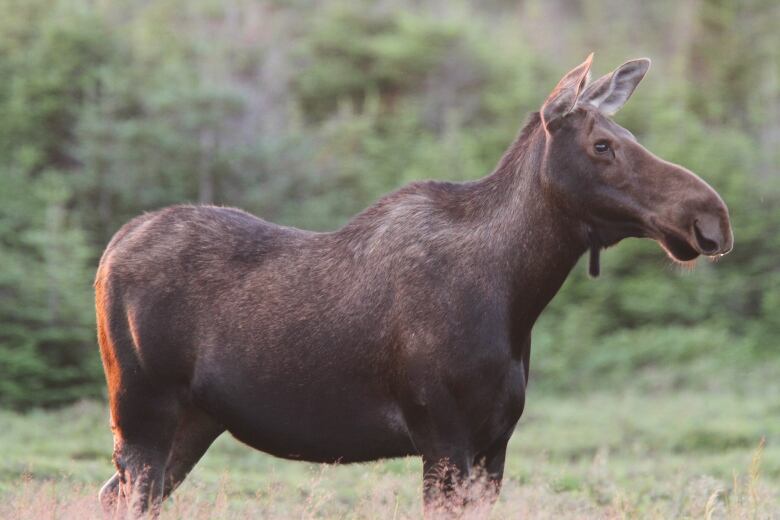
669,454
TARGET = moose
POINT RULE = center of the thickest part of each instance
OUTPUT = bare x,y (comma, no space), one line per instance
405,332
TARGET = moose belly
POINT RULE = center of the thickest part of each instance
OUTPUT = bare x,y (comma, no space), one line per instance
312,422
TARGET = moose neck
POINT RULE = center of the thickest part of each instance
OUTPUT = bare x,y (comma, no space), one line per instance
534,245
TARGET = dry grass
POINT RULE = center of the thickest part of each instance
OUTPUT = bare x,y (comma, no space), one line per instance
630,455
388,498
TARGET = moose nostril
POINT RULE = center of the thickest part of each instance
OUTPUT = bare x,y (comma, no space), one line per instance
707,245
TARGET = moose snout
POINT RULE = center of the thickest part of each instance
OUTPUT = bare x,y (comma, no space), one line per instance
712,232
693,220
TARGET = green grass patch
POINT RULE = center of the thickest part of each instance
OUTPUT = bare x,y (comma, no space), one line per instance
638,454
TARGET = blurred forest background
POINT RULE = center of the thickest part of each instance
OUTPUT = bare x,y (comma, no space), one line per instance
304,112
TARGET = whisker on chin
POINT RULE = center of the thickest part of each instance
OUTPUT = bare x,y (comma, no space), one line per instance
684,266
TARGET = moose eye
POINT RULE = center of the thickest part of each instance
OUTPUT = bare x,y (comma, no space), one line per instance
601,147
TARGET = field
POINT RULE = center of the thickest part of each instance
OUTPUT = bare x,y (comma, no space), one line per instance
682,453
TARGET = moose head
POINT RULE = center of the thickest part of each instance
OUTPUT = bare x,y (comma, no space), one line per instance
598,173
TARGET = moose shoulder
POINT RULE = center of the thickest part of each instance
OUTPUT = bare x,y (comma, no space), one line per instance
405,332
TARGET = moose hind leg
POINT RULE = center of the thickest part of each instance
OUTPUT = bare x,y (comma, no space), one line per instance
141,478
109,497
145,421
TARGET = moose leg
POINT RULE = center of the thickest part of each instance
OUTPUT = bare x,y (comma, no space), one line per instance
445,481
442,438
144,421
137,486
109,497
142,470
447,460
491,461
194,434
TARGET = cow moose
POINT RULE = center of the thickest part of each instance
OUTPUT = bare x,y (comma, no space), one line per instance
405,332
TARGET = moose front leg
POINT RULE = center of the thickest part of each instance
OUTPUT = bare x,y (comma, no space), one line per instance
490,466
446,476
447,455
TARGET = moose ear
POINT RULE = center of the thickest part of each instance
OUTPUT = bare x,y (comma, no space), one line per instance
609,93
564,96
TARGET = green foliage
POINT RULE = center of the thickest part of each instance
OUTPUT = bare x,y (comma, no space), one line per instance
351,53
47,353
304,113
